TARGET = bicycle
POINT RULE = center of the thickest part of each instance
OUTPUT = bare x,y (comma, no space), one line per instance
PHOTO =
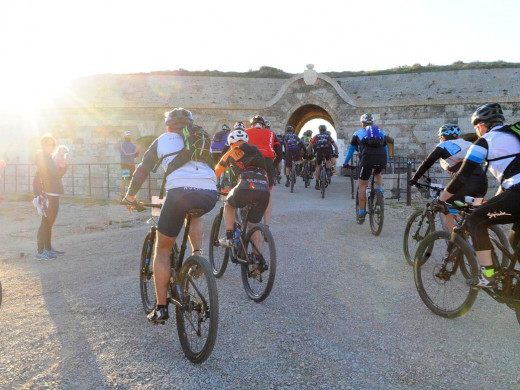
306,173
442,254
192,289
323,180
374,206
422,222
292,176
258,265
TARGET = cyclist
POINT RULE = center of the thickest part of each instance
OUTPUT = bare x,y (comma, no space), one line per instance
278,167
451,151
370,142
499,146
293,149
219,142
270,148
192,186
322,143
306,140
334,156
253,185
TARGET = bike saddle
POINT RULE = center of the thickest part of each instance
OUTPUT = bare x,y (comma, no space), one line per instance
196,213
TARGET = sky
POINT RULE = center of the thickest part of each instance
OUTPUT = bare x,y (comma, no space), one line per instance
45,43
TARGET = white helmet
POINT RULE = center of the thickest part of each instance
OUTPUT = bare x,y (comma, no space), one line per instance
238,135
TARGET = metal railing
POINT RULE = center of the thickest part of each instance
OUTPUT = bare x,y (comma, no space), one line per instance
100,181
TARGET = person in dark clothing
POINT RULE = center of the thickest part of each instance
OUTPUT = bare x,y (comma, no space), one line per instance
128,152
47,189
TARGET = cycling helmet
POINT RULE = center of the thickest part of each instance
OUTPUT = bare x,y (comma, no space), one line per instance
225,127
267,124
237,135
178,117
491,112
308,133
322,129
289,129
257,119
239,126
367,119
449,130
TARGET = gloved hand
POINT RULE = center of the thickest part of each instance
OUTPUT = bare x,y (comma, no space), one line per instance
412,182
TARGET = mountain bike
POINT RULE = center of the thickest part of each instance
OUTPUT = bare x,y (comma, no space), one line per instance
323,179
306,173
422,222
192,290
292,176
257,261
374,206
446,271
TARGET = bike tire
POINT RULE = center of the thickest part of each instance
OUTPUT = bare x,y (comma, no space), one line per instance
146,280
323,182
293,178
202,308
377,213
425,220
218,256
431,266
261,293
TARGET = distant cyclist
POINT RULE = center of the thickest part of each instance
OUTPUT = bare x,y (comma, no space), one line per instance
370,142
321,145
293,151
451,152
334,156
219,142
306,140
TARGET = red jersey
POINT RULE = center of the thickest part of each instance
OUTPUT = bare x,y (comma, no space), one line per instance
263,139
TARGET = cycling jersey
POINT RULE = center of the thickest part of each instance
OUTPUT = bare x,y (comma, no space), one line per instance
191,175
322,141
500,151
292,142
263,139
306,141
374,155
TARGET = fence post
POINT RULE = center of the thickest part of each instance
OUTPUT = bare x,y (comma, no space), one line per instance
72,178
408,186
108,180
398,183
89,182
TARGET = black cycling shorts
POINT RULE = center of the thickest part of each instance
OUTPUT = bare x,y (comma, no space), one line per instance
476,187
242,197
323,155
292,155
178,202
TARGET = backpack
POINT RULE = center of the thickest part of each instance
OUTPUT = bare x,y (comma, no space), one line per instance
374,137
196,148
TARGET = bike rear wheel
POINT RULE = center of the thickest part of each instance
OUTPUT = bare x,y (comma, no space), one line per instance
419,225
146,281
439,277
293,176
218,255
258,276
197,320
323,181
377,212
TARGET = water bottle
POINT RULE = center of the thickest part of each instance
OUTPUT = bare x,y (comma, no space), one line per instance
238,232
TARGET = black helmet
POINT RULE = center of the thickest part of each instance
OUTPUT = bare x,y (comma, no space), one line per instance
491,112
257,119
367,119
178,117
322,128
449,130
289,129
225,127
308,133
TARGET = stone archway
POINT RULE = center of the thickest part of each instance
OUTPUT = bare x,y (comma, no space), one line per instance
306,113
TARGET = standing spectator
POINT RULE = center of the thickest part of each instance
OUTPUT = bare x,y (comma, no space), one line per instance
219,142
48,188
127,150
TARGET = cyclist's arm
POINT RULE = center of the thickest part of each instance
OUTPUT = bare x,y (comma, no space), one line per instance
278,153
335,147
475,156
142,171
232,155
436,154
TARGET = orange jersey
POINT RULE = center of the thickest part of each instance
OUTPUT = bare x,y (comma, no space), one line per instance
263,139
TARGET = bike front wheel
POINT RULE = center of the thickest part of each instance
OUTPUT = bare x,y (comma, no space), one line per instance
377,213
258,276
197,319
441,272
218,255
146,281
419,225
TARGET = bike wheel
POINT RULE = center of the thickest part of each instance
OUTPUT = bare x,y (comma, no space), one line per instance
258,276
146,281
377,213
218,255
438,275
419,225
197,319
323,182
293,178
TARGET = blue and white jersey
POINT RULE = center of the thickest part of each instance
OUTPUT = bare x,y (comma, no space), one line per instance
456,150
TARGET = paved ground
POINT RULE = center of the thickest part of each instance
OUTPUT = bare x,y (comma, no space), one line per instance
344,312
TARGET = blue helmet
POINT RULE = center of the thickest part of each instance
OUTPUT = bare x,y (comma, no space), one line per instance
450,131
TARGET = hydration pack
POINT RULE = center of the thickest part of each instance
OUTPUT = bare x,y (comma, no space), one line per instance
374,137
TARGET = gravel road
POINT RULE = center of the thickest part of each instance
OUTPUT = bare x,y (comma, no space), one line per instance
343,314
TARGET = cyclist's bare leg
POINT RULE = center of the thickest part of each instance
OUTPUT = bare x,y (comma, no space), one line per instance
449,221
256,238
484,258
317,172
161,266
378,180
268,211
363,184
196,234
229,216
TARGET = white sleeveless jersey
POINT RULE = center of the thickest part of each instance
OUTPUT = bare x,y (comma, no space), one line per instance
457,148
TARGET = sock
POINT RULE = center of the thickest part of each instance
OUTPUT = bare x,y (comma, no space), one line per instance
229,234
361,212
488,271
380,189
